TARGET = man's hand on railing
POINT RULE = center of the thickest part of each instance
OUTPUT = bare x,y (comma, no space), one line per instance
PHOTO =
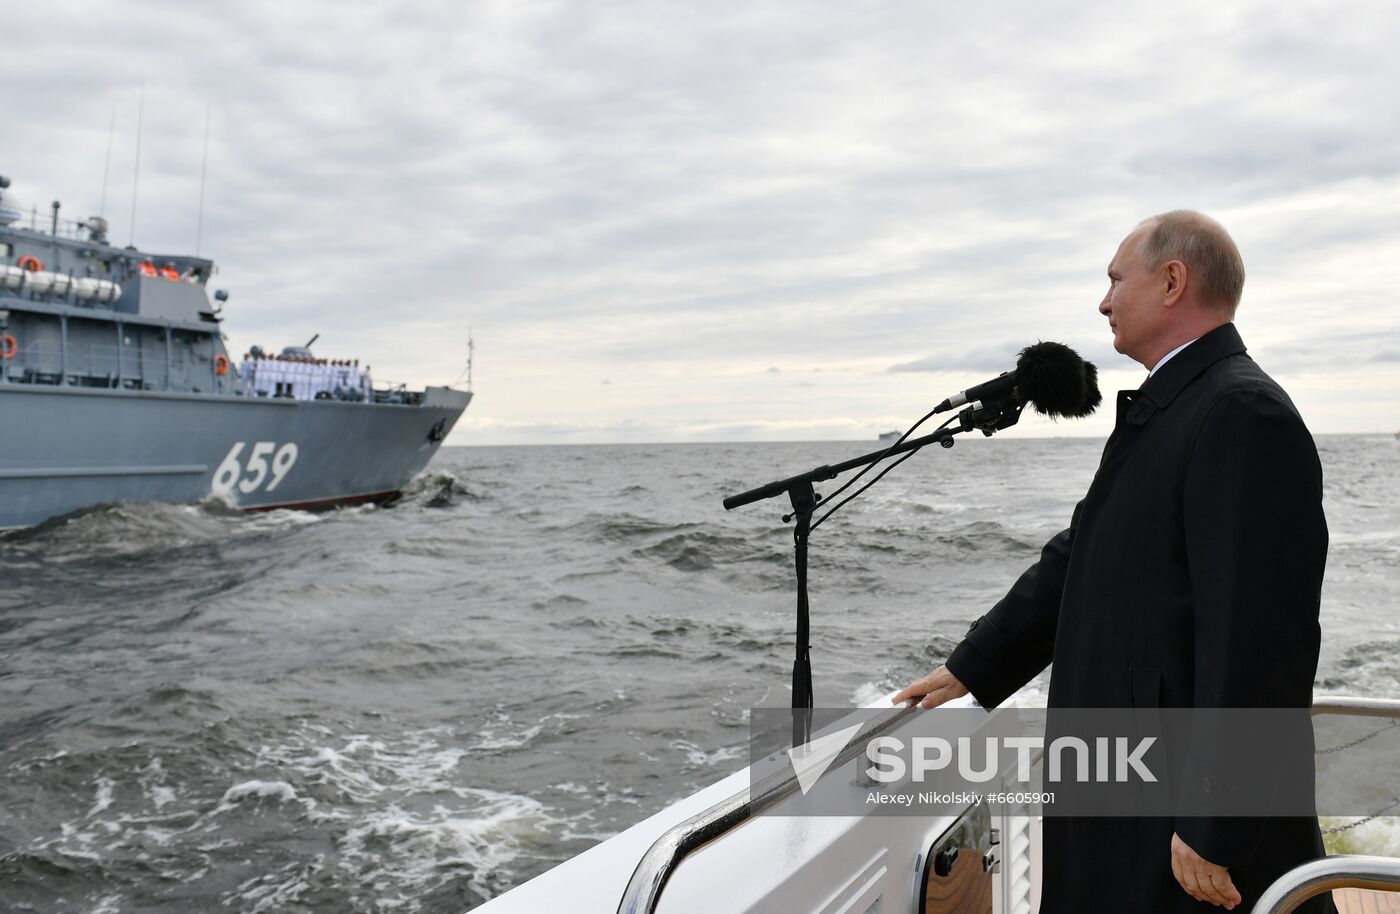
933,690
1202,880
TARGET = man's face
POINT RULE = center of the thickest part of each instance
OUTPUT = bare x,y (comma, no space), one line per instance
1133,304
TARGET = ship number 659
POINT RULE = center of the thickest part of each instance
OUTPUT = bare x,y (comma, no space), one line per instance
259,470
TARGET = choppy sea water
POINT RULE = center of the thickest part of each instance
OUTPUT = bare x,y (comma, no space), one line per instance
414,708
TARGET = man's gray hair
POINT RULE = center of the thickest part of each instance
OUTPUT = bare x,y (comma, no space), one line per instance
1201,243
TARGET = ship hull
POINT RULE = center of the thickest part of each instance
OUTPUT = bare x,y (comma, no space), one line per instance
66,449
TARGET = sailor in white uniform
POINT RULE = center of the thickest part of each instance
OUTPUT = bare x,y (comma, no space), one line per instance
247,369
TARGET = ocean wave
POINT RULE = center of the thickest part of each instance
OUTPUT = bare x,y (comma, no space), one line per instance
144,530
280,791
985,537
1368,668
560,601
634,651
276,891
435,489
717,633
699,550
407,854
698,757
621,527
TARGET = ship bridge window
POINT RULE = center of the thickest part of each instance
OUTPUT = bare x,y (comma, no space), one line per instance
104,266
6,249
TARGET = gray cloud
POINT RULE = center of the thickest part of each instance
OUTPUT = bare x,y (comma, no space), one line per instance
651,193
1000,357
982,358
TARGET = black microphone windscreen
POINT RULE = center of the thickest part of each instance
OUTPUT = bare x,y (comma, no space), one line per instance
1053,378
1092,397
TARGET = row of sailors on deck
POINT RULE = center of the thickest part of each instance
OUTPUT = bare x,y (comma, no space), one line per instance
301,378
148,267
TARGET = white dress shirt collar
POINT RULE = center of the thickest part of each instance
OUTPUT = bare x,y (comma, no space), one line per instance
1166,358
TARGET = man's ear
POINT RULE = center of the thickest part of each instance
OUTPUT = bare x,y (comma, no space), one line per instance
1173,282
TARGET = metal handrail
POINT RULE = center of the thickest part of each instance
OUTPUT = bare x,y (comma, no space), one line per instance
1345,871
1356,707
679,841
643,890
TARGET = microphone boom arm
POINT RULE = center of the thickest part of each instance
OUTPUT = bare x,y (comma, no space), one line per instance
986,418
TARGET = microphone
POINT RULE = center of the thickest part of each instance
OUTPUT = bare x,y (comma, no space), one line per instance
1049,376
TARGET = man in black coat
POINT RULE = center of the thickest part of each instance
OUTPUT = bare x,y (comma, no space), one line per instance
1189,577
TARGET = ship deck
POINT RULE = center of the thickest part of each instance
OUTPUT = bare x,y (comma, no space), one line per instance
1360,901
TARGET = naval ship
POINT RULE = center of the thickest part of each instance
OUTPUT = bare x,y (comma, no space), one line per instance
116,385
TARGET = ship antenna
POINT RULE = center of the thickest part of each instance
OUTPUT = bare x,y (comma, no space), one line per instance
467,372
136,172
107,162
203,170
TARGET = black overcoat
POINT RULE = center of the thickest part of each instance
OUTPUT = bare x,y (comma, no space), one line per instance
1190,577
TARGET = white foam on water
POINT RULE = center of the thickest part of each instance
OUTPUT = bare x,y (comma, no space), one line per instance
406,825
274,891
490,741
699,758
107,904
161,836
103,798
280,791
365,767
504,737
402,852
866,694
151,777
1380,836
278,519
70,833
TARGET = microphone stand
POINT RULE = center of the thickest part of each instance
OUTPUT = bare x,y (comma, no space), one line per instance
987,418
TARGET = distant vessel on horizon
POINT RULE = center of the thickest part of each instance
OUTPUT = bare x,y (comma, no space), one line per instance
890,436
116,385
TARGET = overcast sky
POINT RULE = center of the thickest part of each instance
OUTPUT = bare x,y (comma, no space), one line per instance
672,221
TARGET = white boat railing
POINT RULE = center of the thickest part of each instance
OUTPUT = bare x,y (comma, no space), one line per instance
660,861
1344,871
666,853
1353,706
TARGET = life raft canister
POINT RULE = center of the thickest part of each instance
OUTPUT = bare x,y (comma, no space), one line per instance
9,346
221,364
30,262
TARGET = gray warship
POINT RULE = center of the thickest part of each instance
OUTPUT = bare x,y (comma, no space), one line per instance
116,385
